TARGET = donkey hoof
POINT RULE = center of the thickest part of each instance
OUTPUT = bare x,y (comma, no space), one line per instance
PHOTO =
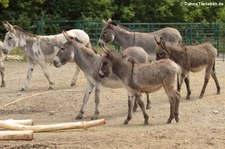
79,117
72,84
50,88
23,89
188,98
94,117
148,107
169,121
3,85
146,122
218,92
177,119
126,122
201,96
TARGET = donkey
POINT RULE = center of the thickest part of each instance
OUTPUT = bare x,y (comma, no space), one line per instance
138,78
1,65
113,32
191,58
90,62
38,48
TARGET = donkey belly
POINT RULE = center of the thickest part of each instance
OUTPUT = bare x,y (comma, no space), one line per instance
197,69
112,83
150,88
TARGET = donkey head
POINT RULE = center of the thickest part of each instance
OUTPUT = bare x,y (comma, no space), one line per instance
111,61
12,38
108,33
161,50
65,51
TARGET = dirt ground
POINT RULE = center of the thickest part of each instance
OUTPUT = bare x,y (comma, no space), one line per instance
202,121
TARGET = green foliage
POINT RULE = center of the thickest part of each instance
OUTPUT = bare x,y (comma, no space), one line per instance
124,10
24,13
4,3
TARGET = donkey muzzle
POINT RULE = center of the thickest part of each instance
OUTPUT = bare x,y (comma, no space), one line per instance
101,43
56,64
5,51
101,74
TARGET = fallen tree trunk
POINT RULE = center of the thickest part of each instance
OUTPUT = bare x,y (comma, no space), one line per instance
52,127
16,135
22,122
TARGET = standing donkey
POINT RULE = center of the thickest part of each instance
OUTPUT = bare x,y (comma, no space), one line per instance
113,32
1,65
138,78
90,62
191,58
38,48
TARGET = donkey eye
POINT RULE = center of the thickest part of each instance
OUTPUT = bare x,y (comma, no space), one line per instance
9,38
62,48
105,63
161,54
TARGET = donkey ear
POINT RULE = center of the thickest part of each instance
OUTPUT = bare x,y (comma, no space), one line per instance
104,22
8,26
158,42
163,43
67,36
109,20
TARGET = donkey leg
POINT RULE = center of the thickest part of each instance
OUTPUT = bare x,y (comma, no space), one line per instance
148,106
172,110
213,74
74,80
142,106
29,76
97,101
130,108
170,93
89,89
207,75
46,73
187,82
179,82
3,80
177,105
135,105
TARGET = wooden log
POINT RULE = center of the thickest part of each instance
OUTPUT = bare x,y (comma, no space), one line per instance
53,127
22,122
16,135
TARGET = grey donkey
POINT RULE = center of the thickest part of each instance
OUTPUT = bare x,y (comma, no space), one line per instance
90,62
143,78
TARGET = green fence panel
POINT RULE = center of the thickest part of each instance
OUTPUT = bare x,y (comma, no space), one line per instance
192,33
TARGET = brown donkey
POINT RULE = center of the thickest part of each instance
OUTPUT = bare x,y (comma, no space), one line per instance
190,58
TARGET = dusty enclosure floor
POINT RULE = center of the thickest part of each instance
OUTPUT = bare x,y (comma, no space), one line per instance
202,121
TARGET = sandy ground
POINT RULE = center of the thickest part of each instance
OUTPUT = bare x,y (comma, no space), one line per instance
202,121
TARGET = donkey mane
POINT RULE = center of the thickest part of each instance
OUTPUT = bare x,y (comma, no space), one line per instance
25,32
121,27
79,45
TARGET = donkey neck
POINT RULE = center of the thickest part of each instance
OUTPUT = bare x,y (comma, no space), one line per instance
179,56
59,38
123,71
86,59
124,38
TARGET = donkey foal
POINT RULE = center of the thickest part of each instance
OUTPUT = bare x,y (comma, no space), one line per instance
147,78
